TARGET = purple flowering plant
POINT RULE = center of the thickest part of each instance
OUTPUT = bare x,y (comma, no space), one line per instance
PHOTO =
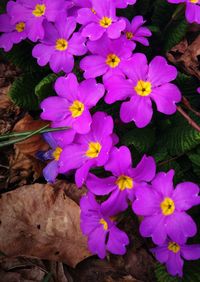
122,116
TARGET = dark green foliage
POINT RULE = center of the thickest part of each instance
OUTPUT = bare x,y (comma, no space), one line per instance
44,88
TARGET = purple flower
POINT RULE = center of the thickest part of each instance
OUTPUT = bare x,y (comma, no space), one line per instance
58,46
123,3
172,254
198,90
33,13
52,169
145,83
107,57
164,209
192,12
89,150
13,33
103,235
124,180
100,19
71,106
134,31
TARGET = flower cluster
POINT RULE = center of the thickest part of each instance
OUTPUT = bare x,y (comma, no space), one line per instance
91,29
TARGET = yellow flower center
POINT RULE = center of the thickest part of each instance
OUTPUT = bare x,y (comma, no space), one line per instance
93,11
194,1
167,206
104,223
105,22
173,247
76,109
129,35
56,153
94,149
112,60
39,10
143,88
124,182
61,44
20,26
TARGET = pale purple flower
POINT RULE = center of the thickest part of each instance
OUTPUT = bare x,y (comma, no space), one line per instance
33,13
198,90
124,181
106,57
135,32
89,150
59,45
192,12
100,19
172,254
12,33
145,83
103,235
51,171
71,107
163,209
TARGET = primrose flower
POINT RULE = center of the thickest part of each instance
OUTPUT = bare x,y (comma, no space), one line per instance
103,235
192,12
123,3
107,57
100,19
58,46
12,33
124,180
198,90
71,107
89,150
163,208
172,254
52,169
145,83
33,13
135,31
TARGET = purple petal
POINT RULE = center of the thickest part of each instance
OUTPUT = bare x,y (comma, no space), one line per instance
119,161
100,186
65,26
61,61
147,202
163,183
131,111
53,8
42,53
67,87
165,98
93,66
77,45
186,196
160,71
118,88
192,13
98,246
180,226
115,29
5,42
154,226
35,29
190,252
93,30
85,16
161,253
104,8
175,264
145,170
82,172
91,92
102,125
51,171
82,123
117,241
136,68
54,108
5,25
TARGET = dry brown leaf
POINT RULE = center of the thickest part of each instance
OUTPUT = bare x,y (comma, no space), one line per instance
186,56
36,143
37,221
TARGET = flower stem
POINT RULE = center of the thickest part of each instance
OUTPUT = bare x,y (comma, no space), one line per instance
188,118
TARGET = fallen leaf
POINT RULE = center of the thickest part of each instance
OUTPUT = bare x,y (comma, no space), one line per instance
186,56
38,221
34,144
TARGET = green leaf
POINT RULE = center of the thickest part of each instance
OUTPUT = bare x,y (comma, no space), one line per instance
163,276
22,91
142,139
44,88
162,13
175,33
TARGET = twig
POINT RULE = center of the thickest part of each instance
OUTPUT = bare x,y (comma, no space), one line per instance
188,118
188,105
